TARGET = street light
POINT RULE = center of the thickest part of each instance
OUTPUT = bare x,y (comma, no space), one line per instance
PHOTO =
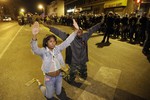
138,2
22,11
41,7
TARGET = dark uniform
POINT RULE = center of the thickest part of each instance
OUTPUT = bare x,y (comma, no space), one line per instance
29,17
117,26
77,53
124,32
132,23
146,46
109,27
143,22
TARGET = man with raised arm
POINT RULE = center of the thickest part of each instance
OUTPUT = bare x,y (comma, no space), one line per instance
77,52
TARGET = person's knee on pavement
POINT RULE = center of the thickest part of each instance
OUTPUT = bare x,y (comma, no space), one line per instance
72,74
83,72
72,77
84,75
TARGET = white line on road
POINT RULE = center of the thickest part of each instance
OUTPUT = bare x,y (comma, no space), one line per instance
9,43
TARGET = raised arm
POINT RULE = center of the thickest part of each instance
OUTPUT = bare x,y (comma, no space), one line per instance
57,32
93,29
67,42
34,46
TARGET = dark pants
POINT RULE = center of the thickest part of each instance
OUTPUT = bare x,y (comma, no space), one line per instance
109,30
117,31
80,70
147,43
124,32
132,32
142,35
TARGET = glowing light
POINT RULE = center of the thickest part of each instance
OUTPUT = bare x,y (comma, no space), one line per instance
70,10
40,6
22,10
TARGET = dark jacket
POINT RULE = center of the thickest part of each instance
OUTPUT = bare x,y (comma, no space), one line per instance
77,53
148,26
143,22
124,20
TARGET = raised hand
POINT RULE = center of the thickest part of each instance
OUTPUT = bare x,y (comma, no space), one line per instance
75,24
35,28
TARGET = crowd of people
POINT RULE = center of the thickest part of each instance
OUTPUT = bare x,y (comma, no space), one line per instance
134,28
127,27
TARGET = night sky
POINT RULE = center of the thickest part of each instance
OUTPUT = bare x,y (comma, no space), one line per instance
32,5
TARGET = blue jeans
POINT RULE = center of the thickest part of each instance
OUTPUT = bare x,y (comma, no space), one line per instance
52,84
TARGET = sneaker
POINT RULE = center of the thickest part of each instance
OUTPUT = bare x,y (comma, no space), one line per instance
39,83
30,82
84,81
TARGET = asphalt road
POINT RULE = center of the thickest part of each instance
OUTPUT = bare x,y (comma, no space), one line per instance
118,71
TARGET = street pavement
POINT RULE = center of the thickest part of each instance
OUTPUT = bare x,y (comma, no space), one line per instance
116,71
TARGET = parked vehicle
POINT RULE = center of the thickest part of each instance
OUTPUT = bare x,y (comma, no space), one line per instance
6,18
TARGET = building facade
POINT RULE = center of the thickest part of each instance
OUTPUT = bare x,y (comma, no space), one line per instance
145,6
56,8
99,6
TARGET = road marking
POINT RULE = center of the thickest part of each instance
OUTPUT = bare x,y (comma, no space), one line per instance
106,83
9,43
